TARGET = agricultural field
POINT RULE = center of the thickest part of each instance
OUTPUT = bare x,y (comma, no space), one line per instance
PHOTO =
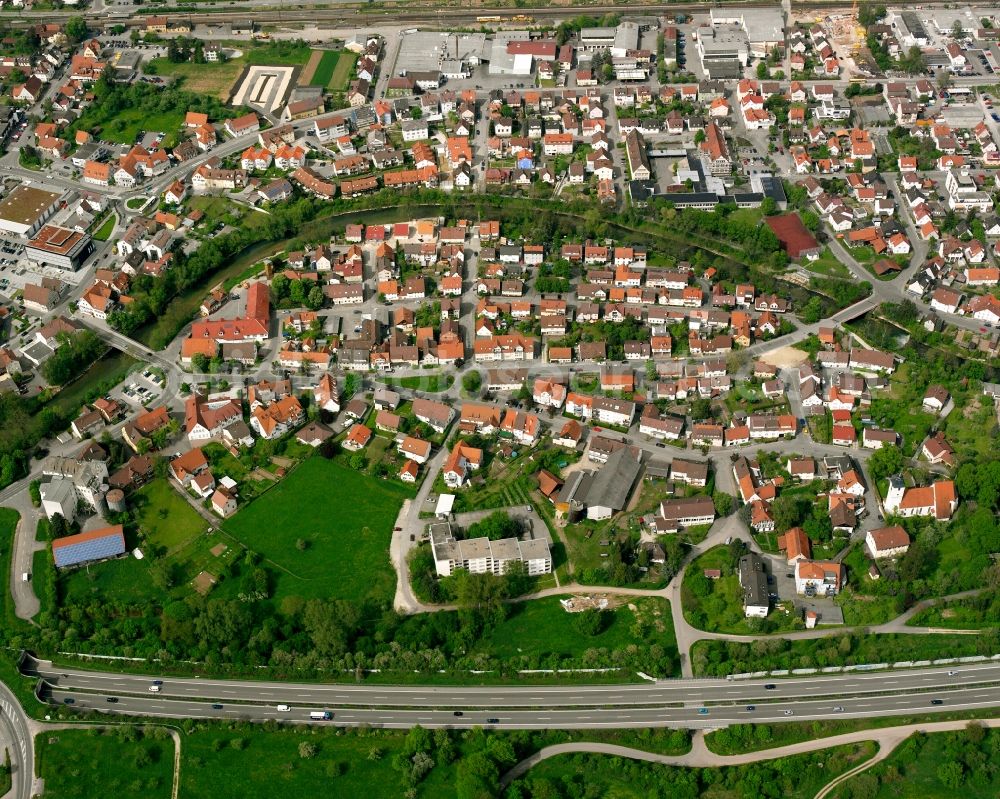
325,530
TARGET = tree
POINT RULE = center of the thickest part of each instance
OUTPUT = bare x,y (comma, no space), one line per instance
76,29
279,287
787,512
314,300
761,70
590,622
495,526
723,503
481,594
951,774
472,381
307,750
885,461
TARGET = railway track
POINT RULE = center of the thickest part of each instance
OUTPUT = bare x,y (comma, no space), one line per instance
357,14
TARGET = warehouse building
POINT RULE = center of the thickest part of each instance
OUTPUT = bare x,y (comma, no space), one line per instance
25,210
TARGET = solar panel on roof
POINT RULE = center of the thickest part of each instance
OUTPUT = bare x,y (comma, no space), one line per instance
93,549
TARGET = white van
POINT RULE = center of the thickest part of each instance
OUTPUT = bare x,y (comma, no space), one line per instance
283,708
25,577
154,689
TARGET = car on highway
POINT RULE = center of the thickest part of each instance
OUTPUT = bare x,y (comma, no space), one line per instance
154,689
112,700
937,701
458,713
770,686
283,708
216,707
69,700
787,712
157,682
751,708
838,709
703,711
952,673
492,721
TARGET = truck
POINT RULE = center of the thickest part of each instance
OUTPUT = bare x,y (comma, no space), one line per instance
321,715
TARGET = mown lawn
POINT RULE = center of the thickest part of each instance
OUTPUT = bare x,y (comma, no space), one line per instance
89,763
827,264
344,518
429,382
165,516
103,233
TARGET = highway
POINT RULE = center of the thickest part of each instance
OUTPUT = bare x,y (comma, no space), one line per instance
663,703
690,716
661,692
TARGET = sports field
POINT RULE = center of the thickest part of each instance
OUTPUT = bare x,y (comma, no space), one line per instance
325,531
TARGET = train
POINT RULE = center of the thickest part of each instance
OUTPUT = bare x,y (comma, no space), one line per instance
499,19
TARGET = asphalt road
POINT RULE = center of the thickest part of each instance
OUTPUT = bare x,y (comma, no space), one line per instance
690,716
200,690
22,754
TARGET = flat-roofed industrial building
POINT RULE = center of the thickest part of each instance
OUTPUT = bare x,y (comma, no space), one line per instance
26,209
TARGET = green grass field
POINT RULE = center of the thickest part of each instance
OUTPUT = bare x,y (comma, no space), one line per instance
103,233
799,777
341,76
325,68
8,525
270,765
827,264
124,128
123,580
938,766
165,516
345,518
215,79
542,627
428,382
88,763
277,53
